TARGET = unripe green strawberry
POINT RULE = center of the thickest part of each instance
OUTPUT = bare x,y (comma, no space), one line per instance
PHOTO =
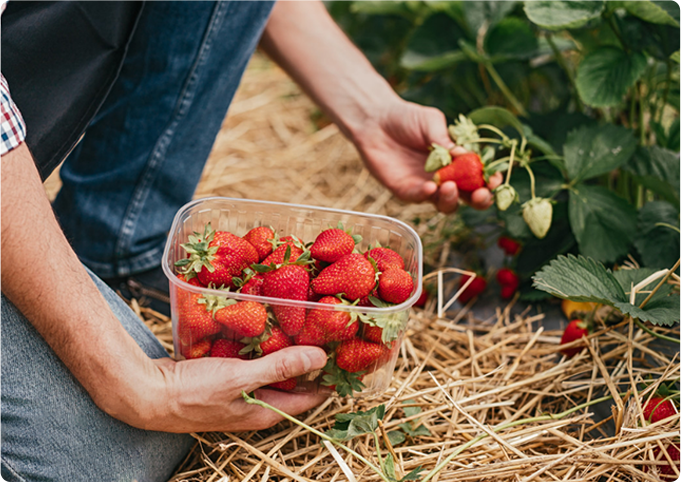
537,213
504,196
358,355
465,170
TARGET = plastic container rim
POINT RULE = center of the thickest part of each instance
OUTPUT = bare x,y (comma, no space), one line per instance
172,277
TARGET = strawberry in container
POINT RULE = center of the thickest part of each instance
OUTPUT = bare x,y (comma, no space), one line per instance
249,278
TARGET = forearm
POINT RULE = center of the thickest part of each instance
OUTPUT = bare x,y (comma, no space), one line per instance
306,42
44,279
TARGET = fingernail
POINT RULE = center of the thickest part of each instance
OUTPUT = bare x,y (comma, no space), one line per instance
313,359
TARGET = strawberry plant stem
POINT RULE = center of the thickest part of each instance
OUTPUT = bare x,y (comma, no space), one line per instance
497,161
557,54
494,129
541,418
505,90
642,326
529,171
510,163
255,401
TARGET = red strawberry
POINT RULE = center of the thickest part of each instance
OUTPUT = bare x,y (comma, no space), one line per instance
289,282
245,318
365,301
277,340
510,246
421,302
331,245
311,335
277,256
476,287
335,325
373,334
465,170
508,291
353,275
507,277
260,238
286,385
227,349
357,355
312,296
395,285
253,286
217,257
657,408
195,319
666,471
574,331
197,349
385,258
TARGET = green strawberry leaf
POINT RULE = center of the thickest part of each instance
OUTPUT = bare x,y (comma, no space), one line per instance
591,151
662,311
413,475
656,169
605,75
579,279
396,437
496,116
559,15
351,425
655,241
346,383
393,324
659,12
602,222
410,411
631,277
357,238
389,467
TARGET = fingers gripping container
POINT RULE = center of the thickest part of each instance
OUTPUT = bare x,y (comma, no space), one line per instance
238,216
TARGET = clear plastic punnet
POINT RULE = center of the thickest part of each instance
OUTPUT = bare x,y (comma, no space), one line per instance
238,216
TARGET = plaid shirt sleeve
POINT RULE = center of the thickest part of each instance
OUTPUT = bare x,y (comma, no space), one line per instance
12,126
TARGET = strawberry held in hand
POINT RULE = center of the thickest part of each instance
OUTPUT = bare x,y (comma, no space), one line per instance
465,170
575,330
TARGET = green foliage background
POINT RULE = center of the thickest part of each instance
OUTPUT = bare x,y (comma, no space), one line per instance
592,85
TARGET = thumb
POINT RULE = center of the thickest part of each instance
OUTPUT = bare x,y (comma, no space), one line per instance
284,364
434,128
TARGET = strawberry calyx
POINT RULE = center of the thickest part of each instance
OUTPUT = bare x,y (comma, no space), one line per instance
438,158
199,251
252,344
392,324
214,303
305,259
344,382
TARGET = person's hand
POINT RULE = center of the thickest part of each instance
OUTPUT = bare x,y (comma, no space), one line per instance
205,394
394,144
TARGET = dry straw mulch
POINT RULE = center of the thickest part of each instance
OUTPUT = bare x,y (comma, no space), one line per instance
495,394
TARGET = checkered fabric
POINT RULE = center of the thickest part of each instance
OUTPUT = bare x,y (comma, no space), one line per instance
12,126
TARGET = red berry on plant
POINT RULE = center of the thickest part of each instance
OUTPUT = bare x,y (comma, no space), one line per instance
575,330
507,277
477,286
657,408
510,246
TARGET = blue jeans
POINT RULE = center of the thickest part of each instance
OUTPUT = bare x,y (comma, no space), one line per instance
138,163
142,156
51,428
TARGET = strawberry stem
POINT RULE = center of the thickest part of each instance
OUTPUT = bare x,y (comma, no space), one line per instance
493,129
640,324
529,171
254,401
510,162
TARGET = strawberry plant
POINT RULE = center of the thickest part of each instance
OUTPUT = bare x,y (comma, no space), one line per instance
576,102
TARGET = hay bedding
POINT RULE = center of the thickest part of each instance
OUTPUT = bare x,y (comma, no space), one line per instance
470,377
